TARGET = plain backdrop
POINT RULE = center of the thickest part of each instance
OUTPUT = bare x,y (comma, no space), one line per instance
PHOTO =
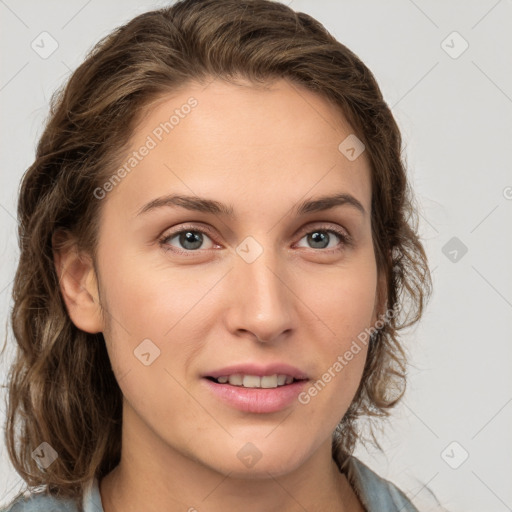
444,68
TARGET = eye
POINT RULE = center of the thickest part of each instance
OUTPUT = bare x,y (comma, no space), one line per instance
188,240
323,238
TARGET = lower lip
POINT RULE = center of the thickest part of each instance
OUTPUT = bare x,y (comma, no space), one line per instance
257,400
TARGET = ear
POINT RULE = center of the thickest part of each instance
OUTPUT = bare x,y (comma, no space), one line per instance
78,283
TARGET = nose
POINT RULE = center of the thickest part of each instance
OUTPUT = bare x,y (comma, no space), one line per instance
261,305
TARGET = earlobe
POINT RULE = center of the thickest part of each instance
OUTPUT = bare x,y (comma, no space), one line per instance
78,284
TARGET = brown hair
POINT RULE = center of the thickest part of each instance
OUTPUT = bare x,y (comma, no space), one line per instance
61,386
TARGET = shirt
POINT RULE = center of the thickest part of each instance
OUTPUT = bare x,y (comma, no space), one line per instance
376,495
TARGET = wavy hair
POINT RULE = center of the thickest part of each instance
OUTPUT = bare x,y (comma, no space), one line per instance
61,388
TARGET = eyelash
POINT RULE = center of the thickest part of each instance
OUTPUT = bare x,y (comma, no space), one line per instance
345,239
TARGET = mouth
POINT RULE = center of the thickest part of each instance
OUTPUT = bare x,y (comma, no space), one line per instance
251,388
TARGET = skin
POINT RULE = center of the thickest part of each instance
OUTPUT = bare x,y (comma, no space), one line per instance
261,151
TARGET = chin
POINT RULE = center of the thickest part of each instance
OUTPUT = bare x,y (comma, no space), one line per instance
260,459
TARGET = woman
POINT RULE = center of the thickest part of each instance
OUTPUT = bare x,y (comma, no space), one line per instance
216,260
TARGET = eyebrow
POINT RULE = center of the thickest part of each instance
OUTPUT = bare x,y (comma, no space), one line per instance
200,204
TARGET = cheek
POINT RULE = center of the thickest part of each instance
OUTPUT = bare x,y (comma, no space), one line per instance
152,300
345,301
155,310
344,307
155,328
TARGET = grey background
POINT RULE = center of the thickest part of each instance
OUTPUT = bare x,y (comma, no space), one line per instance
455,116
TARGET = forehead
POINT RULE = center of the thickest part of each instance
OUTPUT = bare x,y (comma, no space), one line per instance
252,144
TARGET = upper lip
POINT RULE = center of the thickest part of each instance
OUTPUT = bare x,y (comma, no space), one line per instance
259,370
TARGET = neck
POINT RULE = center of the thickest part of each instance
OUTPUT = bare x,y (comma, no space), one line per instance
152,476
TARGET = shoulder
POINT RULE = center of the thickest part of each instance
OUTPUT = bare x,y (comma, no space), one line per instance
40,502
43,502
375,492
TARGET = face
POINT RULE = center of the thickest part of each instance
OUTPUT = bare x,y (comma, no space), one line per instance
226,310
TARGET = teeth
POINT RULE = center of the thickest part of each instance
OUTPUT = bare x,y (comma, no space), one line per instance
236,380
269,382
254,381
